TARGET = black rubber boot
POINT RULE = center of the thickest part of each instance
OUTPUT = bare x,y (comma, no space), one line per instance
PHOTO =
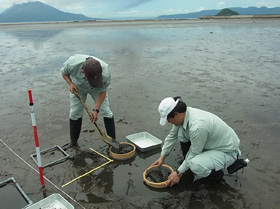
238,164
110,127
75,129
216,175
185,146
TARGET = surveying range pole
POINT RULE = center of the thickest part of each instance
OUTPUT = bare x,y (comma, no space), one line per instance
31,104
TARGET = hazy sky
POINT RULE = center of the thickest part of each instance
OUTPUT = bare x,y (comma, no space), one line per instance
141,8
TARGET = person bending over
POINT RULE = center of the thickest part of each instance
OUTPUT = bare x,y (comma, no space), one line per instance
87,75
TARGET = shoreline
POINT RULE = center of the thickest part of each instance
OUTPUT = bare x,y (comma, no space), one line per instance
239,17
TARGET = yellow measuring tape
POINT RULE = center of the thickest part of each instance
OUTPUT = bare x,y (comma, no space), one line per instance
109,161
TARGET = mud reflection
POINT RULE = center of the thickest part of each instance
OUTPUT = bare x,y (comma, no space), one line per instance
90,198
202,194
34,38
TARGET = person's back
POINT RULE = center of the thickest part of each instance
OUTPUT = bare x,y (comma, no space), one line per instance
220,136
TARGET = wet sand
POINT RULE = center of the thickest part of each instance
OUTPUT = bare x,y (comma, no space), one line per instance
227,67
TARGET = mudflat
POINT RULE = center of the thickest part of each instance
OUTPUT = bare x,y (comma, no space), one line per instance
227,67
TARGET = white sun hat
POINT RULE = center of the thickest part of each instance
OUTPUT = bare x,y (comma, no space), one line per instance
165,107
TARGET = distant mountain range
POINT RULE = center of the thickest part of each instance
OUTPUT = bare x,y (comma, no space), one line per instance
241,11
40,12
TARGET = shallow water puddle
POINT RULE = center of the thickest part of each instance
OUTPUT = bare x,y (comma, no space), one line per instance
10,197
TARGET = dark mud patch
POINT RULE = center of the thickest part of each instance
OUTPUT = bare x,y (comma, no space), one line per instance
123,149
84,159
158,174
90,198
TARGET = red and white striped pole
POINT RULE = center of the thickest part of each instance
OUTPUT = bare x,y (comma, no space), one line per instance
36,137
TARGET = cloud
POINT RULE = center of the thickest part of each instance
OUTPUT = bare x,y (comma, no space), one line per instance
121,4
221,4
198,9
261,4
128,4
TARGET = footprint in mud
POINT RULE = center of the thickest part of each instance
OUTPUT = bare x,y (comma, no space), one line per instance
122,121
90,198
87,158
90,131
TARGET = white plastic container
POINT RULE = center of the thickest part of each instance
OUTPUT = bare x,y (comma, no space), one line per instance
52,201
144,141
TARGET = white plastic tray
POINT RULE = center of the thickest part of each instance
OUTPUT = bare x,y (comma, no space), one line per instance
144,141
52,201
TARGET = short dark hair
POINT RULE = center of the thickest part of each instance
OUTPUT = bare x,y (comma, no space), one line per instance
181,107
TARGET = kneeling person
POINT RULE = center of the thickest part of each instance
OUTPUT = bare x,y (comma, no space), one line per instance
207,142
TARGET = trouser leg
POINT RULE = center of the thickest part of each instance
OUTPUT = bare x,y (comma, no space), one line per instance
110,127
185,146
76,107
75,130
211,162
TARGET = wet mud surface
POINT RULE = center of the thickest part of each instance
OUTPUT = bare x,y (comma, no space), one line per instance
227,67
87,159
